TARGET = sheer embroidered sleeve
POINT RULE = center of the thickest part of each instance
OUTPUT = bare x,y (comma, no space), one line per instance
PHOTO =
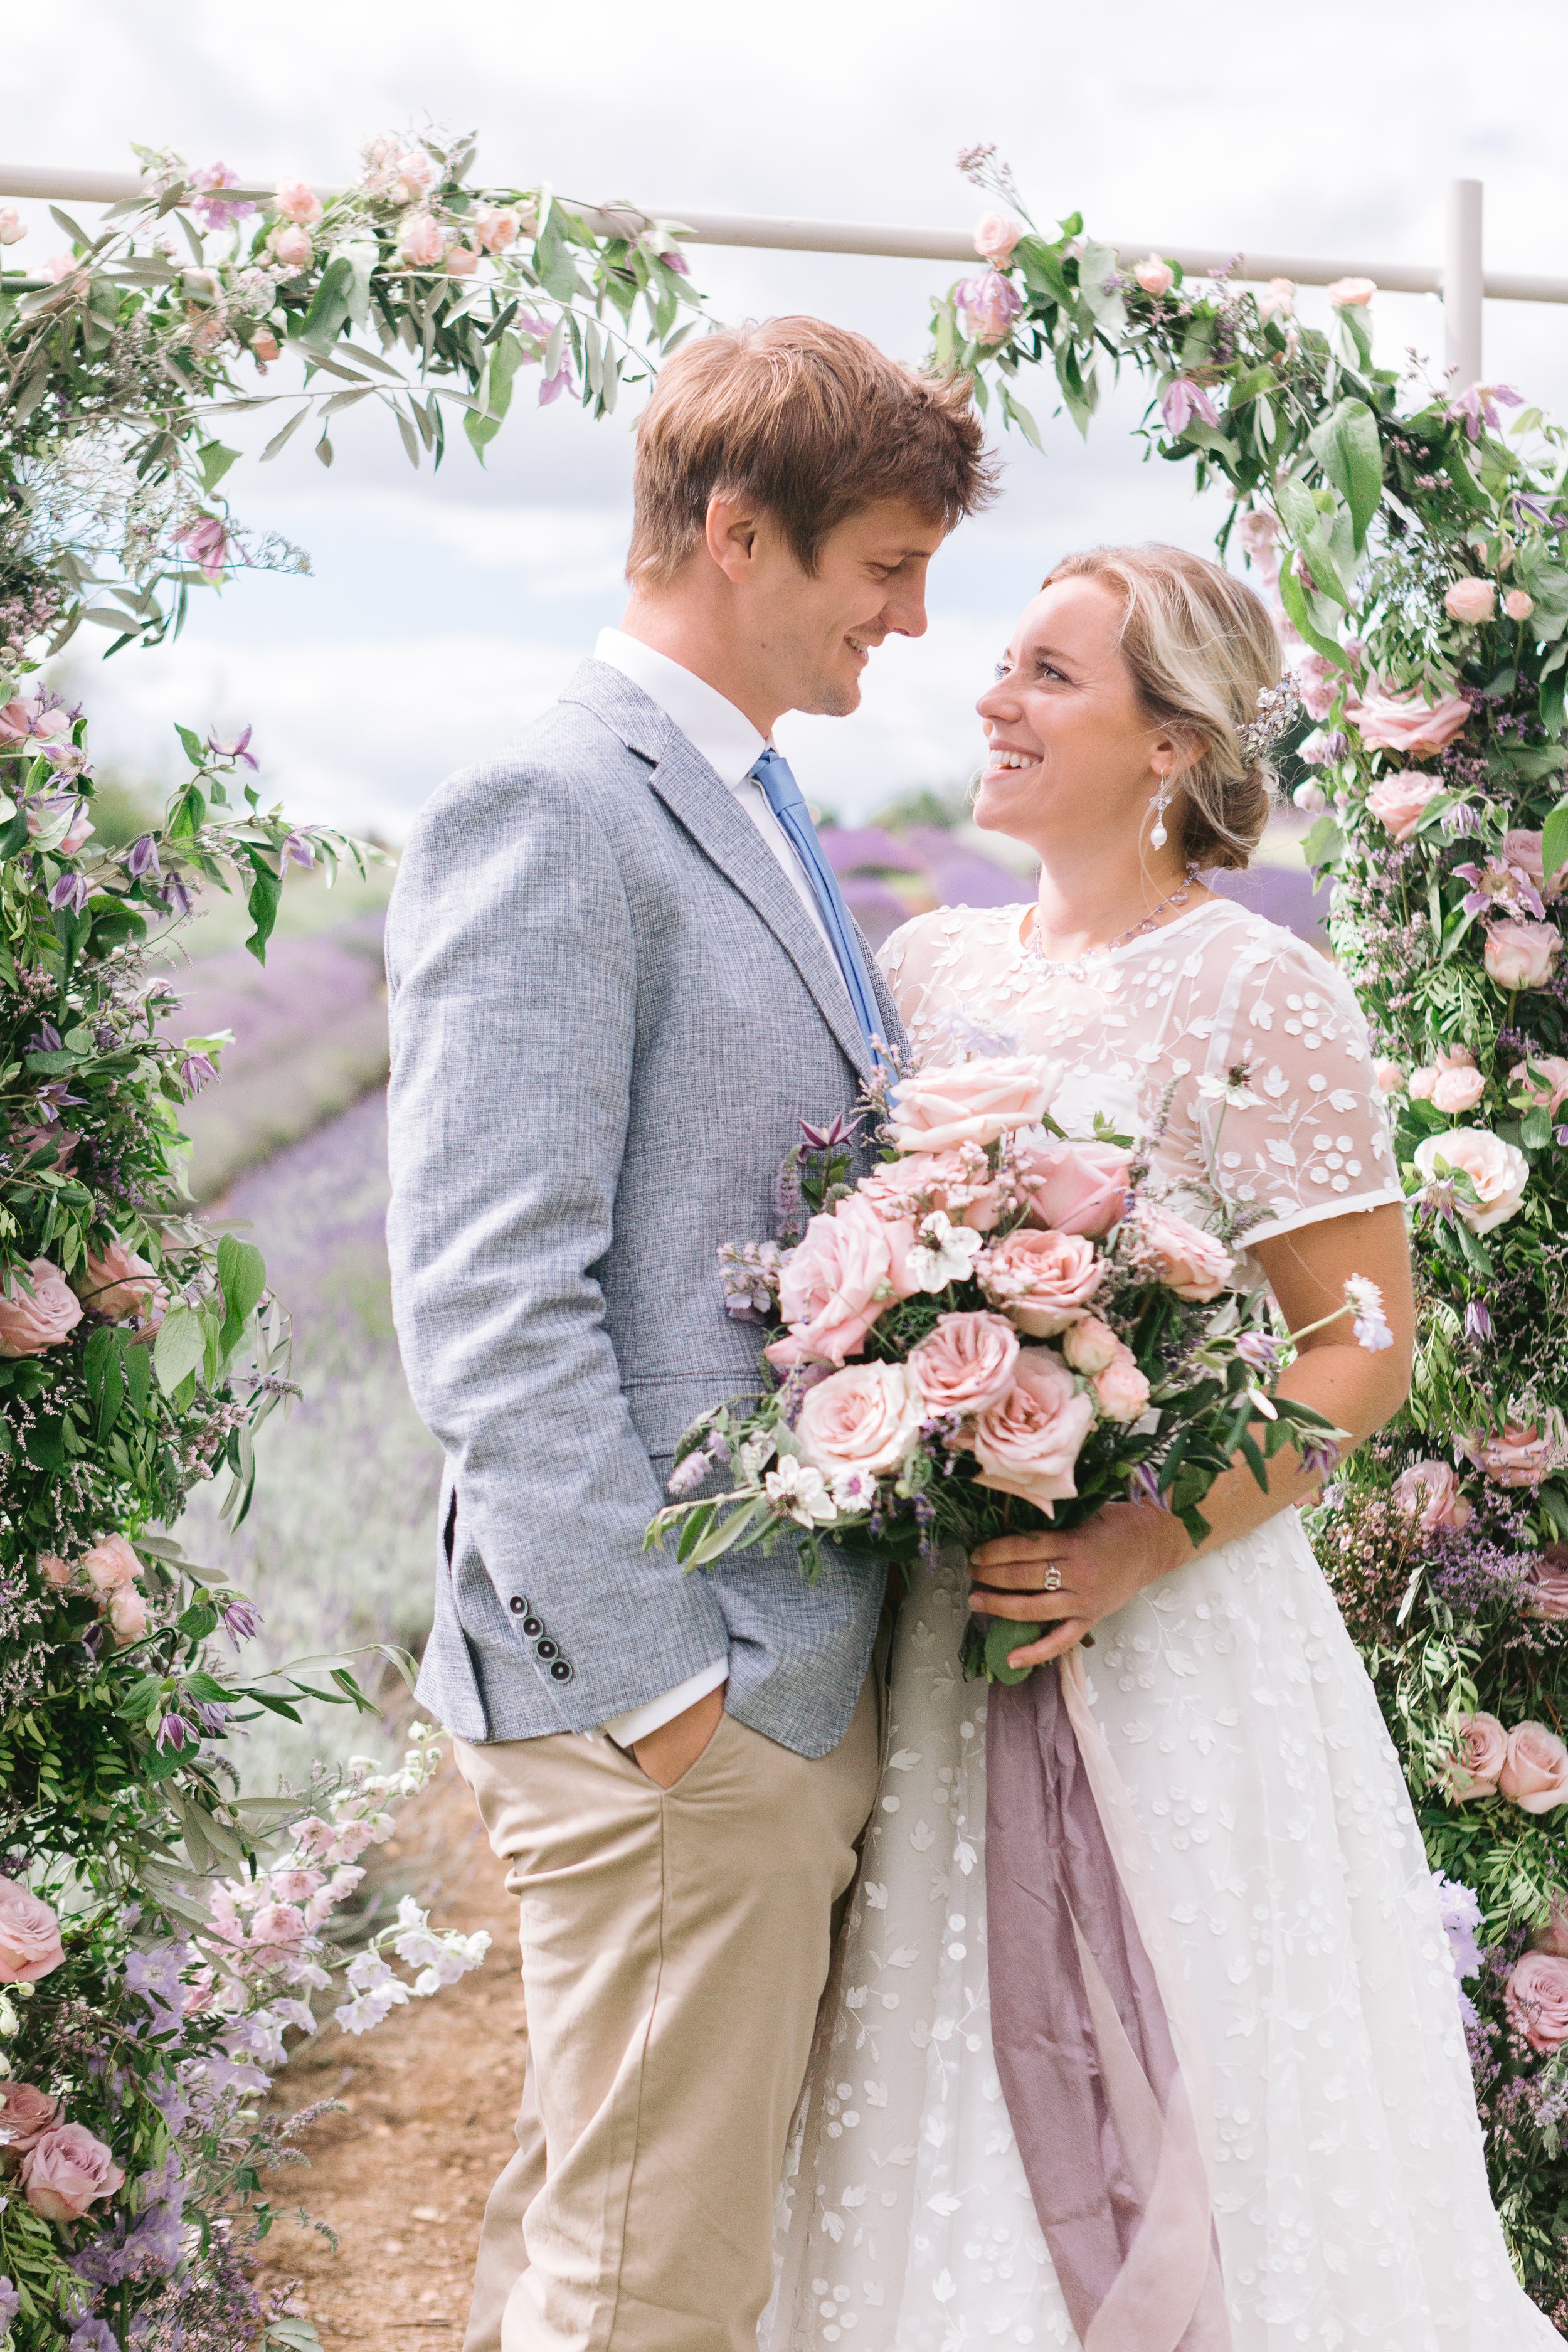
1276,1104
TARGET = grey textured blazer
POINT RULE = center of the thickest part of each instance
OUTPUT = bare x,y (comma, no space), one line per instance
609,1012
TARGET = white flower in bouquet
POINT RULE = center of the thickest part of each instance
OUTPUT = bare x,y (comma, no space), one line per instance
944,1253
799,1490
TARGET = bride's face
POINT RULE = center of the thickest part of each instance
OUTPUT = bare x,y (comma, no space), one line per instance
1067,743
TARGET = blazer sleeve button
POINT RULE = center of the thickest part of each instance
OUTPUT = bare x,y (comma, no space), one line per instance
517,1606
560,1672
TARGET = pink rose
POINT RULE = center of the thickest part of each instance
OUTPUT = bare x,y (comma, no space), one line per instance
1258,531
1429,1493
1155,276
30,1935
1455,1091
995,235
1521,1454
127,1614
420,243
264,346
1181,1256
1549,1091
1473,1769
1317,682
1548,1595
1400,801
1471,600
1534,1774
111,1564
987,307
975,1102
1409,723
965,1364
1071,1188
295,200
958,1182
26,2115
292,247
846,1272
55,1569
1524,849
1498,1170
1090,1346
462,260
495,227
65,2171
1042,1281
1520,955
115,1281
1351,293
1536,1999
1390,1077
28,1326
1122,1391
1518,604
13,228
1028,1443
867,1417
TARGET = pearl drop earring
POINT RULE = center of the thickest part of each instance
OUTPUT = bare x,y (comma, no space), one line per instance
1160,803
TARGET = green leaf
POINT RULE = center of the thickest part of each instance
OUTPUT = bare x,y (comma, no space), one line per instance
214,461
328,311
278,438
1293,596
1554,838
1347,446
195,749
265,890
1324,844
179,1348
242,1272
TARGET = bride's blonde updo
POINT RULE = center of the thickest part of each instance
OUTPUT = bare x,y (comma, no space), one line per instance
1200,647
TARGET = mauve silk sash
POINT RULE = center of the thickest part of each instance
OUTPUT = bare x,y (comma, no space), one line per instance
1099,2066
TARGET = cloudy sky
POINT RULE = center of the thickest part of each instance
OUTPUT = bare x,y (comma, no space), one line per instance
442,612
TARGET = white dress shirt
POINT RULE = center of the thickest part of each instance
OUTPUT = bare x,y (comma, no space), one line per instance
732,746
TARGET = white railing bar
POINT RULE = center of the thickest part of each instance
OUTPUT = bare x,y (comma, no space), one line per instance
791,234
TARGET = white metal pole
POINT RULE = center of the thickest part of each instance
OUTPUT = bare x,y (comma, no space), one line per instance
1463,285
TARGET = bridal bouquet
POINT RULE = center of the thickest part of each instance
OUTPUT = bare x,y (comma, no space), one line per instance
997,1328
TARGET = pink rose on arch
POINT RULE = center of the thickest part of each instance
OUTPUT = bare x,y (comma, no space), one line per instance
1473,1769
846,1272
936,1109
1548,1596
295,200
1351,293
127,1614
1409,723
1028,1441
1534,1774
1521,1454
995,236
965,1364
958,1182
1181,1256
1471,600
1549,1089
115,1281
1429,1492
495,227
1536,1999
65,2170
1456,1091
292,247
1071,1188
1122,1391
420,243
867,1417
1526,850
111,1564
1090,1346
1041,1281
55,1569
1154,275
30,1943
462,260
1399,801
26,2115
1520,955
28,1326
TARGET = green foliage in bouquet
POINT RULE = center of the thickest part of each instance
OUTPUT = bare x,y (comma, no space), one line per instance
1414,538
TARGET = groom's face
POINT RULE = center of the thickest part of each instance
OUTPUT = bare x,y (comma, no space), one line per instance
815,631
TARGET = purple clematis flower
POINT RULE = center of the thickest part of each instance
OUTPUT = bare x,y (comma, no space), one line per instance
196,1070
70,891
1477,1321
1539,509
1143,1486
241,1621
213,210
1182,402
554,385
299,849
828,1139
142,857
173,1731
235,751
1477,406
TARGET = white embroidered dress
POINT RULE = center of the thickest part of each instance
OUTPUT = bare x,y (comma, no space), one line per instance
1350,2191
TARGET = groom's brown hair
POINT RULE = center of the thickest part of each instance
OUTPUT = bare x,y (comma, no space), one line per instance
811,421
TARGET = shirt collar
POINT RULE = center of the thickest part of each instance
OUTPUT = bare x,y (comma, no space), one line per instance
713,726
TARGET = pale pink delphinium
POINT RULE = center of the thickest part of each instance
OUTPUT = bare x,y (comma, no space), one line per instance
29,1324
1029,1441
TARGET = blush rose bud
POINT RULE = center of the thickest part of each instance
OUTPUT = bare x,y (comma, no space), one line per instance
1155,276
995,236
292,247
1518,604
1351,293
297,201
419,242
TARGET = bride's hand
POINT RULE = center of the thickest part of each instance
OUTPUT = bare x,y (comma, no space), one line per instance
1101,1566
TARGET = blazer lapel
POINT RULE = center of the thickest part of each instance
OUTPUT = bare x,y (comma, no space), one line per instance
704,805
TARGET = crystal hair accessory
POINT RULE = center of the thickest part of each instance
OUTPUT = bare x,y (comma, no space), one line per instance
1276,707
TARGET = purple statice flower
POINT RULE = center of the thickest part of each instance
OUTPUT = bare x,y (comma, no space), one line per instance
1474,1574
1182,401
173,1731
238,749
828,1139
142,857
241,1620
71,890
213,210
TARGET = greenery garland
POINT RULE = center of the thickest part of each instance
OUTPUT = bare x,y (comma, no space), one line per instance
159,1928
1413,539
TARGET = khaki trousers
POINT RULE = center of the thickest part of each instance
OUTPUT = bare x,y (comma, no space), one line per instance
675,1945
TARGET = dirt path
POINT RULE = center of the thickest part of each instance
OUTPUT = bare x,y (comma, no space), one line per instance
402,2176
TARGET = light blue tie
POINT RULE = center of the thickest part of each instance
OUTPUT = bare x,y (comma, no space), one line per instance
787,803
